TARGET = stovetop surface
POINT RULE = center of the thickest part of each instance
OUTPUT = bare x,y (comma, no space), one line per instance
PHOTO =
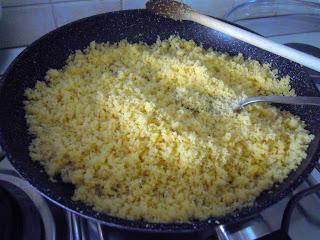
52,222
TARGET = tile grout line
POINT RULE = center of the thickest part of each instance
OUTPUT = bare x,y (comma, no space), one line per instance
41,4
53,14
121,4
25,5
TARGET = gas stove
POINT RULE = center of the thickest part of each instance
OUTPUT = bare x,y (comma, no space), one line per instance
26,214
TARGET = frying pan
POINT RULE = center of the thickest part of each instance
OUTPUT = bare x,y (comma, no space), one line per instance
52,50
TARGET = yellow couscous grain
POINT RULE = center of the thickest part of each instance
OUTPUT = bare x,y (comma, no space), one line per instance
111,124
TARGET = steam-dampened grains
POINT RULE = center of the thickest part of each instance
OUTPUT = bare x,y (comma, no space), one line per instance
110,123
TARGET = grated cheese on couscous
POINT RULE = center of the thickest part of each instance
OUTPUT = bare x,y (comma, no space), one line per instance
110,123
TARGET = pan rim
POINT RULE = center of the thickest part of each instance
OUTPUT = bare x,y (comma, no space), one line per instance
140,226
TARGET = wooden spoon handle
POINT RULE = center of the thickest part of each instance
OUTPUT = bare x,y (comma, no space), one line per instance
254,39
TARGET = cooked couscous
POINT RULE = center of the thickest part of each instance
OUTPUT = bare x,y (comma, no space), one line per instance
115,123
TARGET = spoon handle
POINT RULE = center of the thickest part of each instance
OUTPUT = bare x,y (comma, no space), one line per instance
281,99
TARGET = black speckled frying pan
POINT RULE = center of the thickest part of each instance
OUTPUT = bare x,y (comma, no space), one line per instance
52,50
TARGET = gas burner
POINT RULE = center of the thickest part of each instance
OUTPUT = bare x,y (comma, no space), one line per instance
19,217
25,214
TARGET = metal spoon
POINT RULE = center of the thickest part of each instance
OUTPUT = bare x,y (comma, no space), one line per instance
279,99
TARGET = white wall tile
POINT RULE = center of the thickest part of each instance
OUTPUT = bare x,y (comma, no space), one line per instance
66,12
7,3
237,2
20,26
212,7
216,8
7,56
133,4
54,1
